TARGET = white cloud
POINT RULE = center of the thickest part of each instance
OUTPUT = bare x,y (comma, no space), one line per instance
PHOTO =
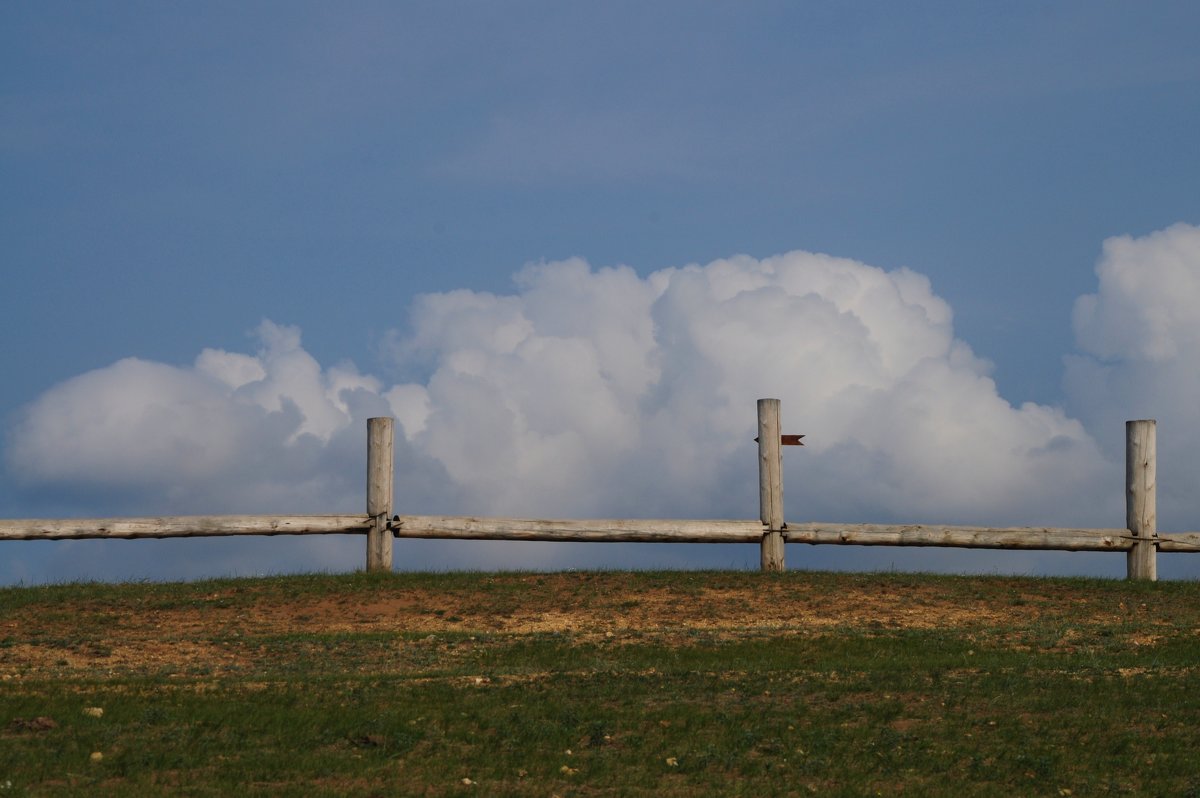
599,392
132,422
231,368
1140,333
234,432
1148,304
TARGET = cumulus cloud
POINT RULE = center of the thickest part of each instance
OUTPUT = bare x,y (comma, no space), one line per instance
1139,335
230,433
1146,305
601,392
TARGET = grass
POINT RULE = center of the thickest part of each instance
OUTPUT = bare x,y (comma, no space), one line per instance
677,683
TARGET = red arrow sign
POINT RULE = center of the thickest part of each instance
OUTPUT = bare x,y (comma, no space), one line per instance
788,440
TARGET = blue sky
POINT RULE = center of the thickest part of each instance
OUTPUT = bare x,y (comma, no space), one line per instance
337,200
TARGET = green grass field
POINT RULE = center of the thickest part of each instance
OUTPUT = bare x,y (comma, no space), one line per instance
680,683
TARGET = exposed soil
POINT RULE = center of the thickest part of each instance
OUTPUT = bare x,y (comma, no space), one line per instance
204,630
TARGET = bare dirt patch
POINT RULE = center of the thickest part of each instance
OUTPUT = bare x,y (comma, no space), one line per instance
213,631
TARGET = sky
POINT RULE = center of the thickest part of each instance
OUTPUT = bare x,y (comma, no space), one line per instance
568,245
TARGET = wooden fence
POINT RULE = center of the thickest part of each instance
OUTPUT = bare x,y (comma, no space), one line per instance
1139,539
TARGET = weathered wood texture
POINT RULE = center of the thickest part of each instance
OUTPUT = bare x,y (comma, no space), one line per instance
601,530
181,526
770,485
1179,542
380,477
965,537
1141,503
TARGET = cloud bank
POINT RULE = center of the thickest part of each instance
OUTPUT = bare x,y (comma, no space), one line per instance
1140,340
598,392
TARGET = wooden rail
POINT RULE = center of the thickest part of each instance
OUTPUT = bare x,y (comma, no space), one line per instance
608,530
962,537
1140,539
181,526
613,530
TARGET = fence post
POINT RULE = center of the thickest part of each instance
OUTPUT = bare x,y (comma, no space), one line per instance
1141,505
770,484
380,472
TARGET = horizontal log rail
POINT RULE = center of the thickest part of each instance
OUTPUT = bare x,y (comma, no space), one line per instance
1179,541
610,530
607,530
181,526
962,537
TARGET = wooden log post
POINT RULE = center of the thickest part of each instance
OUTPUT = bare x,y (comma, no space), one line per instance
1141,504
770,484
380,473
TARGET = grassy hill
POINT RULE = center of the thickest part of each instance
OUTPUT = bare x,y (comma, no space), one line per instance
665,684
